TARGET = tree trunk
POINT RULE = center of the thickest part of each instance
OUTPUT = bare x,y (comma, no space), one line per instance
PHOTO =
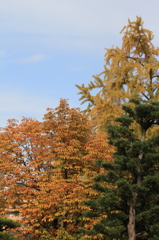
132,215
131,227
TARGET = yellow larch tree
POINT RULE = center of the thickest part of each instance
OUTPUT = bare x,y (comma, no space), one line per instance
129,72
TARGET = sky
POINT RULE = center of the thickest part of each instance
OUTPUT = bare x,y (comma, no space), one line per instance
49,46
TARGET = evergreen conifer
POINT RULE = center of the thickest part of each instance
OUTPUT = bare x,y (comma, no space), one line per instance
6,224
128,203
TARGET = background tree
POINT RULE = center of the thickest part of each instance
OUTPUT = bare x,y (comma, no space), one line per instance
130,71
6,225
129,201
48,167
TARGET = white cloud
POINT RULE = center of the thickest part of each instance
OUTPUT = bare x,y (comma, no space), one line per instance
32,59
83,24
75,26
80,16
59,26
52,16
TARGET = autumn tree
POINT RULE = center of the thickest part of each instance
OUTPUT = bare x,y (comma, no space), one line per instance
129,201
46,168
130,71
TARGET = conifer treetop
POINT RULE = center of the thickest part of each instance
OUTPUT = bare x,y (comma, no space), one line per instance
129,72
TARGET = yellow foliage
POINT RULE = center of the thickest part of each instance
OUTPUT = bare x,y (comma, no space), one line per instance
130,71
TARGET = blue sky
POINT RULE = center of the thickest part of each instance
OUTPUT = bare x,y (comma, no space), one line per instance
48,46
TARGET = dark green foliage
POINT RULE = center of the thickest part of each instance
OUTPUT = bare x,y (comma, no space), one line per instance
134,175
7,224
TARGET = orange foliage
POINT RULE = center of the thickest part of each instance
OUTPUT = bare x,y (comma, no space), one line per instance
48,169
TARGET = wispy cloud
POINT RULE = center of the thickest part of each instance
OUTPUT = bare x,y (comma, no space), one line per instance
53,22
82,17
31,59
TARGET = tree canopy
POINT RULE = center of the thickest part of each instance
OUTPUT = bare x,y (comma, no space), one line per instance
129,72
48,168
128,206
